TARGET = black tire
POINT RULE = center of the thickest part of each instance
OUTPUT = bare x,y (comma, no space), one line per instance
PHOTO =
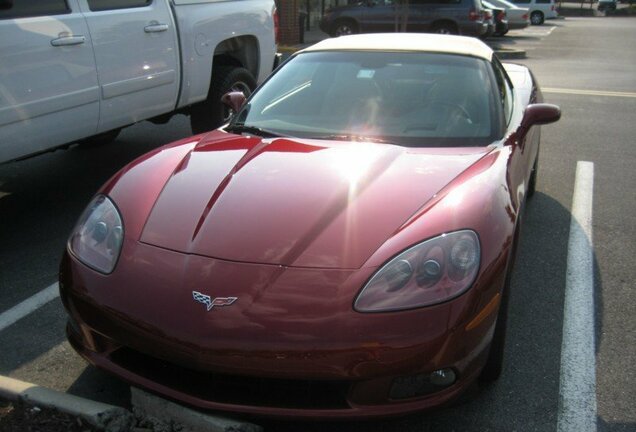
344,27
445,28
101,139
494,364
532,184
212,113
537,18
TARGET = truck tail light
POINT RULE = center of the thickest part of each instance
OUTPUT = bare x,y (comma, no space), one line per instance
473,15
276,27
501,16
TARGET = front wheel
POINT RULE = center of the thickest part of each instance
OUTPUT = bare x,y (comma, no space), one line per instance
536,18
344,28
494,364
212,113
445,28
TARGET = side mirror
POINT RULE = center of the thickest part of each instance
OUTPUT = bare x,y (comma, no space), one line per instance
234,100
6,4
537,114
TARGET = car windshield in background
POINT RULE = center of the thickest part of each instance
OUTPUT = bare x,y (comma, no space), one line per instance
411,99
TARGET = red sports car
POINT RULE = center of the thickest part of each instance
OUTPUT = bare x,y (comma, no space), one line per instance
342,248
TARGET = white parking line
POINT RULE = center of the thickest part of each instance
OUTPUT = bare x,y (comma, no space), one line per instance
577,390
23,309
588,92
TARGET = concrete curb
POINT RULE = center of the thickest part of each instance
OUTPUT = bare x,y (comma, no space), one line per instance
166,416
511,54
103,416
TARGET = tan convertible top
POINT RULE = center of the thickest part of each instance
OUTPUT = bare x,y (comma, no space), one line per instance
417,42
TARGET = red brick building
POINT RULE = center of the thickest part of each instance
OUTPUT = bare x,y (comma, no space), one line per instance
288,15
289,20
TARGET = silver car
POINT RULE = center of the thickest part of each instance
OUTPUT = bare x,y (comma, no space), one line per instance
518,17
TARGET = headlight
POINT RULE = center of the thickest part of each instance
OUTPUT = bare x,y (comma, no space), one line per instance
430,272
96,240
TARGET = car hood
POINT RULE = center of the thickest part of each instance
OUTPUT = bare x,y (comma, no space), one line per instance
291,202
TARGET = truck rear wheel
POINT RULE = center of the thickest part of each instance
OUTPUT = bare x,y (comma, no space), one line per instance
212,113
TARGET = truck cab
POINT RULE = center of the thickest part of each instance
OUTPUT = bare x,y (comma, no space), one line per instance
80,70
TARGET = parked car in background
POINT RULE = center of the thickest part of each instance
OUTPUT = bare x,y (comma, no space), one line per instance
606,5
72,71
540,10
490,20
500,18
342,248
518,17
459,17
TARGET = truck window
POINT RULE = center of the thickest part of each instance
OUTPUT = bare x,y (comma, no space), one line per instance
100,5
31,8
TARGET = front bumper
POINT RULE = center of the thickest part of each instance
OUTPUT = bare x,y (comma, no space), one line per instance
310,356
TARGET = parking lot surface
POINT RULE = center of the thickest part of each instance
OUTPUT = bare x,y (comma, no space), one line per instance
584,65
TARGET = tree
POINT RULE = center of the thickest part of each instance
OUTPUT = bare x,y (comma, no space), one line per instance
401,15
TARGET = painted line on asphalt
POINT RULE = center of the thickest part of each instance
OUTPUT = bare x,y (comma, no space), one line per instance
28,306
588,92
577,389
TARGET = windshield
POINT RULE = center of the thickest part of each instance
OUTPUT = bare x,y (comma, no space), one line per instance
413,99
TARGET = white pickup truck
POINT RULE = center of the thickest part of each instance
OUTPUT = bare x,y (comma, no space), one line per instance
80,70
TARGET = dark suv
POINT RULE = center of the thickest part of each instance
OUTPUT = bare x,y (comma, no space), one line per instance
464,17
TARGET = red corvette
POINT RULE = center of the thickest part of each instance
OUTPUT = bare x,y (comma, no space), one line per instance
342,248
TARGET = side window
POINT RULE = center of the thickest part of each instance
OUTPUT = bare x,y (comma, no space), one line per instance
544,1
521,1
100,5
505,89
31,8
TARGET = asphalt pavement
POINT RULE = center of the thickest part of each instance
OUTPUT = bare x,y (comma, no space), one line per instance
585,65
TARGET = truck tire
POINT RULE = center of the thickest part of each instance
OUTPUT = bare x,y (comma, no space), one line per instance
211,113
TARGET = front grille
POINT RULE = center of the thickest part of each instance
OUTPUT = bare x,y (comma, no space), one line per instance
235,389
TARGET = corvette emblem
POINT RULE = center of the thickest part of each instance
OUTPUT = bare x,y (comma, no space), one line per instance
210,303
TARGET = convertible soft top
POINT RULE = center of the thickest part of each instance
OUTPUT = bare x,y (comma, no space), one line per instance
419,42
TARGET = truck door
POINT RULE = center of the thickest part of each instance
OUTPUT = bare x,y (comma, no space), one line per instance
135,44
48,84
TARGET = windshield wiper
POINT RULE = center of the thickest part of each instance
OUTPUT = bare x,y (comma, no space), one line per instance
240,128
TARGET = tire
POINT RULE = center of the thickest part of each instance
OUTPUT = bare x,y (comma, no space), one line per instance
212,113
344,27
445,28
494,364
536,18
532,184
101,139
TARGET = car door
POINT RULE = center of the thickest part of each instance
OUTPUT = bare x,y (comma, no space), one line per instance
135,44
48,83
378,16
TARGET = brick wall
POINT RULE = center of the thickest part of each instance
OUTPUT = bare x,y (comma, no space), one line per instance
288,14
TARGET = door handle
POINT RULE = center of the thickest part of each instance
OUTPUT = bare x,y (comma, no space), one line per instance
68,40
156,27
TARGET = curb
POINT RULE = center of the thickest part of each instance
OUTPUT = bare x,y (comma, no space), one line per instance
510,54
164,415
287,49
103,416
